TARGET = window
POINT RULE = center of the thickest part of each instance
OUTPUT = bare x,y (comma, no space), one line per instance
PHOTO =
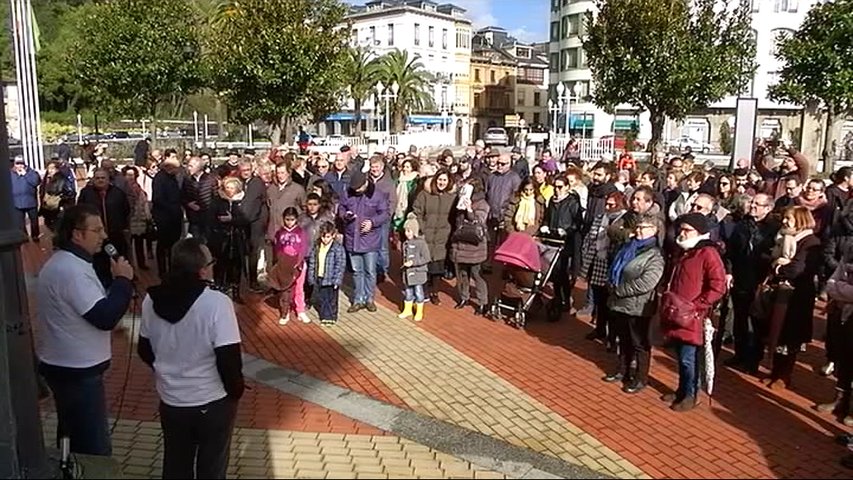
554,63
555,5
431,37
522,52
444,97
417,34
572,58
373,35
476,74
390,34
444,38
536,118
520,98
777,36
574,24
564,27
781,6
478,100
564,59
492,76
537,100
582,56
555,31
463,39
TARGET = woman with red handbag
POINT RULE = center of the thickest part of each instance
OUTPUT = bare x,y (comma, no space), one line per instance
697,282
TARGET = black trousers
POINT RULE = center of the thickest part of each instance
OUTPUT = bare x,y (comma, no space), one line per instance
834,334
603,327
166,238
326,298
197,440
844,360
748,347
634,342
32,214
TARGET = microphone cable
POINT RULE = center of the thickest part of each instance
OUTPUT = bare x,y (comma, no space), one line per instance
134,304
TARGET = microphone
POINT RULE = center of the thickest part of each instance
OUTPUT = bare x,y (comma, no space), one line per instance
110,250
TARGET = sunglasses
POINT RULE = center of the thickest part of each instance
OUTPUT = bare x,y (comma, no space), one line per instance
503,164
725,184
560,185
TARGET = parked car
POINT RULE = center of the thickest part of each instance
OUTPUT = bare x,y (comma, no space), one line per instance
619,143
682,142
496,136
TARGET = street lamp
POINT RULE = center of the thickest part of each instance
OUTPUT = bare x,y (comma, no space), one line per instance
565,97
390,93
554,108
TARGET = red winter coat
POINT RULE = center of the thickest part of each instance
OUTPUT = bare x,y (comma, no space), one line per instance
699,277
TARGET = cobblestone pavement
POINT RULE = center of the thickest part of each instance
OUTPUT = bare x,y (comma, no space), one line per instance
538,389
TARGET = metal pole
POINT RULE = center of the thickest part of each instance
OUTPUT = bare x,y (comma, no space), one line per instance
206,133
388,113
569,117
22,452
80,128
195,129
251,142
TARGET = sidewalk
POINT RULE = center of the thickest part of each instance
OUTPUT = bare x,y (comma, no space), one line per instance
535,393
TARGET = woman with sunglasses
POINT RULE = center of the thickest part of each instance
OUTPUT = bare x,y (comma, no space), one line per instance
563,220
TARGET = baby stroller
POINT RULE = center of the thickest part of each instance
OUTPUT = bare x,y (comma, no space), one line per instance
528,263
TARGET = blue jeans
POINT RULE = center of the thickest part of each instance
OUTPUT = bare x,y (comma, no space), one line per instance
364,276
383,260
414,293
687,370
81,408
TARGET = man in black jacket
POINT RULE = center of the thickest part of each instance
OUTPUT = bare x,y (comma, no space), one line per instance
166,211
748,257
114,207
198,365
600,187
197,195
257,212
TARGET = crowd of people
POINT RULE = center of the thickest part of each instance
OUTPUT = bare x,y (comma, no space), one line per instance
673,253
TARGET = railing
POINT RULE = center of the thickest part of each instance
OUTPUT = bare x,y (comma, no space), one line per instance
381,141
589,149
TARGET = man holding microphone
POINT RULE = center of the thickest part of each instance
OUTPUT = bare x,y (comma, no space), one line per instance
74,318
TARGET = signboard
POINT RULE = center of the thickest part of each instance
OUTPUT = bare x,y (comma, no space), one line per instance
511,120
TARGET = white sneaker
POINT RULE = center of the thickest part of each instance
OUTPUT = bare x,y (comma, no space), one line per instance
304,317
284,320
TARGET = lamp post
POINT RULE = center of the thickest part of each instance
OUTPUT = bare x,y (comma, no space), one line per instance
390,92
195,129
554,109
565,97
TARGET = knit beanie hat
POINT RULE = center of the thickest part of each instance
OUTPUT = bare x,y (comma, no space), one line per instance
412,225
696,220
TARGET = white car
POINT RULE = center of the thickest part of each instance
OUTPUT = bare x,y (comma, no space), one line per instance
681,143
496,136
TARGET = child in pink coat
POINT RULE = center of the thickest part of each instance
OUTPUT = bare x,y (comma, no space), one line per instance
288,273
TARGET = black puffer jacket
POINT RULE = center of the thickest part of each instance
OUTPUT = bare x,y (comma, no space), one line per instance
839,245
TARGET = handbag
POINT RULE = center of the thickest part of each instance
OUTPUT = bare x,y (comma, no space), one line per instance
762,303
471,232
677,311
51,201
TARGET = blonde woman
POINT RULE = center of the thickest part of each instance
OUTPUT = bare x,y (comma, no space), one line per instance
228,243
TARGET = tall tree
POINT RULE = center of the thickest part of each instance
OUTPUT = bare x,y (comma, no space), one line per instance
669,57
278,60
413,81
818,64
136,54
361,74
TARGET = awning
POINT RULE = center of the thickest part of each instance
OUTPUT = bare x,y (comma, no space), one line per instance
625,124
581,121
342,117
428,119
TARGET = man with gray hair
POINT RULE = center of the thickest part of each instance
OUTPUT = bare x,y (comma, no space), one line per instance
384,184
501,185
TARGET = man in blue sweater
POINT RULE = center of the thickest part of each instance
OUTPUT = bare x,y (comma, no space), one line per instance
25,183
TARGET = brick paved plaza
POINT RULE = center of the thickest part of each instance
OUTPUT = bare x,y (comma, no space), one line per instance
458,396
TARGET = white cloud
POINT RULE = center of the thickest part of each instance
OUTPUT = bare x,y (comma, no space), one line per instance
479,11
524,35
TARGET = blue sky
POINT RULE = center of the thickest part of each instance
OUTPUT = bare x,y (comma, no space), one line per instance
527,20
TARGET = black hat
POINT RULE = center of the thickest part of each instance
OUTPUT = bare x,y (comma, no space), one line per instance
357,180
248,151
516,150
345,148
231,151
696,220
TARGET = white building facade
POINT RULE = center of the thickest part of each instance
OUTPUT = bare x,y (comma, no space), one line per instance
770,20
439,34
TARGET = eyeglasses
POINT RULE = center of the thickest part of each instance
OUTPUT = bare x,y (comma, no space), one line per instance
696,207
503,164
814,189
610,205
559,185
725,184
211,263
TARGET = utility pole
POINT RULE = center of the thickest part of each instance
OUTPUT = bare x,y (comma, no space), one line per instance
22,450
